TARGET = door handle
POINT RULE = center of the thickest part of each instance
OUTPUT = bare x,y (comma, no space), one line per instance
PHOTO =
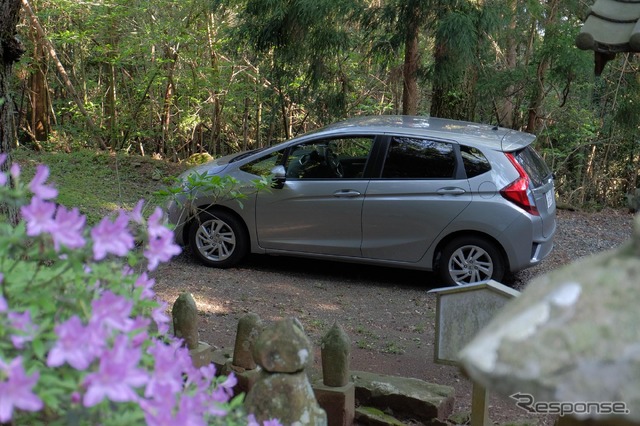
451,191
346,193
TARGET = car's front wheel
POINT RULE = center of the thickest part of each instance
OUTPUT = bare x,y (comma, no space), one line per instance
470,260
218,239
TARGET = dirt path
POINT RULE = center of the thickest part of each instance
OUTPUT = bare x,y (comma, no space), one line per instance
387,313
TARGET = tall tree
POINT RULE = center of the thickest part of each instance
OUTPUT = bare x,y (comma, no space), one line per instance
462,28
414,14
10,52
304,44
397,25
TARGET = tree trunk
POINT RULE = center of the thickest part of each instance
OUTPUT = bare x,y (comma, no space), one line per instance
505,108
535,104
171,55
10,52
410,71
39,96
110,105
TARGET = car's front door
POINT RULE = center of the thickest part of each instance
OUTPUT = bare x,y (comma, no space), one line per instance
319,208
420,191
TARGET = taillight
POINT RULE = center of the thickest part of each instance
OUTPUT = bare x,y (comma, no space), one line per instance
519,191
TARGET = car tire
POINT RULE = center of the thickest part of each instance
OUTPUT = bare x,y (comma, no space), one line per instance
470,260
218,239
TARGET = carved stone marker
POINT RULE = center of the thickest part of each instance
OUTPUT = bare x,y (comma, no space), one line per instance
185,320
185,326
282,390
336,394
249,327
335,350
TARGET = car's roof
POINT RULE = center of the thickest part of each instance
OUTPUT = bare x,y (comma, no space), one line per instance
494,137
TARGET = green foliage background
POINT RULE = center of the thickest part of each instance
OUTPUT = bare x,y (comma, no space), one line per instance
173,78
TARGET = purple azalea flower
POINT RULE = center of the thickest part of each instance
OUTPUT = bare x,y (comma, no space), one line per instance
4,306
140,325
39,216
3,179
112,237
73,345
189,412
224,391
155,226
69,228
22,323
160,317
271,422
136,213
146,284
38,187
159,411
14,171
161,249
112,311
16,391
167,373
117,375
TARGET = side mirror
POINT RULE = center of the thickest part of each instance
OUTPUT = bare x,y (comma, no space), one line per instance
279,177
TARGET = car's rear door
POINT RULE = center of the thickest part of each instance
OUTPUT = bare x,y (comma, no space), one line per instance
542,185
421,189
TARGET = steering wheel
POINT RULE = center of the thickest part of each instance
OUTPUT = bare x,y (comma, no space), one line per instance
332,161
310,158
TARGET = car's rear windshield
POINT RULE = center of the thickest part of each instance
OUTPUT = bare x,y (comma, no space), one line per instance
534,166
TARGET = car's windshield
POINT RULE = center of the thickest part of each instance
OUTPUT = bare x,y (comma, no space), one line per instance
245,154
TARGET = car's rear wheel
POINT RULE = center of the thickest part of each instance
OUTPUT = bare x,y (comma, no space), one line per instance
470,260
218,239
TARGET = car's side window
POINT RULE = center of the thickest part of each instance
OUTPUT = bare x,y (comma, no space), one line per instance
341,158
263,165
414,158
475,163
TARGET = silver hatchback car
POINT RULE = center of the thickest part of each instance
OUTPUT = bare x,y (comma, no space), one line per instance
468,200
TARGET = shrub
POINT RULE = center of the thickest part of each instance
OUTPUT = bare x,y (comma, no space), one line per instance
83,339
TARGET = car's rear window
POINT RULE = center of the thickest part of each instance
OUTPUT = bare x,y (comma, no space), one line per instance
533,165
475,163
413,158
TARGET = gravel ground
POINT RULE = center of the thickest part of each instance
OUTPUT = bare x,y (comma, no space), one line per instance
387,313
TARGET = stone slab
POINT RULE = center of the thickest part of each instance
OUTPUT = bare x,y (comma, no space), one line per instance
409,397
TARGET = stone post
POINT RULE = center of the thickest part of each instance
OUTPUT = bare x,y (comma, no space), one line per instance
185,326
336,393
242,364
249,327
282,390
185,320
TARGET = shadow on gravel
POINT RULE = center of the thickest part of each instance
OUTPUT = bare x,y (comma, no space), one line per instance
353,272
